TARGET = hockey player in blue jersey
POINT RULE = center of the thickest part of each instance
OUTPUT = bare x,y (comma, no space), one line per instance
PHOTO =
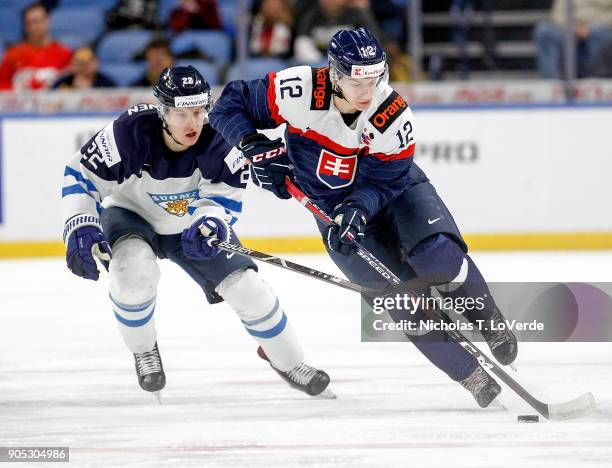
350,141
159,182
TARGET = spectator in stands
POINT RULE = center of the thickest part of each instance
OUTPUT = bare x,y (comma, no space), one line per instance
158,56
400,67
141,14
320,23
462,14
36,62
390,17
84,72
195,14
592,28
602,65
271,29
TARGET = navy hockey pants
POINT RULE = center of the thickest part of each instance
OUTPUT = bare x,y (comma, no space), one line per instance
400,235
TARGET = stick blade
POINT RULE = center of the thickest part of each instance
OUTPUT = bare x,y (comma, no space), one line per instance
576,408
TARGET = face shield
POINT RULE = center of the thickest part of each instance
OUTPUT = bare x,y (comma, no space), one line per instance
187,111
185,117
363,79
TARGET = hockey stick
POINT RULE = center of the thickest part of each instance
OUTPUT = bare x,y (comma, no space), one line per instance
575,408
295,267
364,253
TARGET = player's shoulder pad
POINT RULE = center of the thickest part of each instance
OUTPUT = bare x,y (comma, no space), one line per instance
298,94
392,122
115,142
128,134
391,110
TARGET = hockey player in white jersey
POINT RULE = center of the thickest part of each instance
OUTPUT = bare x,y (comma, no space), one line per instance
159,182
350,142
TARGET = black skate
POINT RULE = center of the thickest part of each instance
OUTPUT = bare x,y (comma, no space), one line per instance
482,386
150,371
302,377
502,343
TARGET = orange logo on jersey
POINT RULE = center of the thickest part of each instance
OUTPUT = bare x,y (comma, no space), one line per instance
321,96
177,207
388,112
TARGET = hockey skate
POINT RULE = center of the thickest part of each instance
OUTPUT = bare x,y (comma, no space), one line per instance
482,386
150,371
502,343
303,377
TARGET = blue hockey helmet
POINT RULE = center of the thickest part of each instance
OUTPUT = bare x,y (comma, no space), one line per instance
183,87
356,54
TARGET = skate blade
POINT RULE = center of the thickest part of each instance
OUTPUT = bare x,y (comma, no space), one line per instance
498,403
326,394
158,396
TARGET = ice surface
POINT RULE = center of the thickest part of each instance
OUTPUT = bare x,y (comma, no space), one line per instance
66,379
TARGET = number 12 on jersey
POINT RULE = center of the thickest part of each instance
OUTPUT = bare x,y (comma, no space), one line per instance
294,90
404,134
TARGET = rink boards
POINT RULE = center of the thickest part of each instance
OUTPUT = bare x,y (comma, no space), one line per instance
514,177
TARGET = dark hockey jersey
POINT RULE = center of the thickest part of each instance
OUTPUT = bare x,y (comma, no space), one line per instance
368,163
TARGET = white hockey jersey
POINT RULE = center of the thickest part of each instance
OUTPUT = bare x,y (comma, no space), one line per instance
127,164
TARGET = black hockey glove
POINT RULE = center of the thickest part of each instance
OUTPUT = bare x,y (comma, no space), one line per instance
269,163
348,227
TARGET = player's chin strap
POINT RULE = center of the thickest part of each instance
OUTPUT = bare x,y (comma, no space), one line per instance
160,113
335,89
167,130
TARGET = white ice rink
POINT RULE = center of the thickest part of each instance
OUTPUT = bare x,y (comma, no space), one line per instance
66,379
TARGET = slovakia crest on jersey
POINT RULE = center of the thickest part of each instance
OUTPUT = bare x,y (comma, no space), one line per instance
336,171
176,204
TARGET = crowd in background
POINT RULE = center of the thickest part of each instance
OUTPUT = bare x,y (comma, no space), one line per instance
280,33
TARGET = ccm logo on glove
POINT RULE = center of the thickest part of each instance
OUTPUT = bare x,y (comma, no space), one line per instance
269,155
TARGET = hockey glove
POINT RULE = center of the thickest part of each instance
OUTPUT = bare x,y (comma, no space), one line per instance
197,240
269,163
348,227
86,244
272,177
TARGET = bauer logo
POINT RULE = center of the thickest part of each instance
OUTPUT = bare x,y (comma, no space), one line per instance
336,171
388,112
176,204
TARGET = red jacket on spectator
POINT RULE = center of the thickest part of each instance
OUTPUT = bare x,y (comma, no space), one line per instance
195,14
28,67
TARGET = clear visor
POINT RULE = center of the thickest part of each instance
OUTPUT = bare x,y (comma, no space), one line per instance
359,73
186,116
354,84
357,84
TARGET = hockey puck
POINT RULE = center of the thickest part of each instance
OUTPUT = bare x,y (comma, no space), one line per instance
528,418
